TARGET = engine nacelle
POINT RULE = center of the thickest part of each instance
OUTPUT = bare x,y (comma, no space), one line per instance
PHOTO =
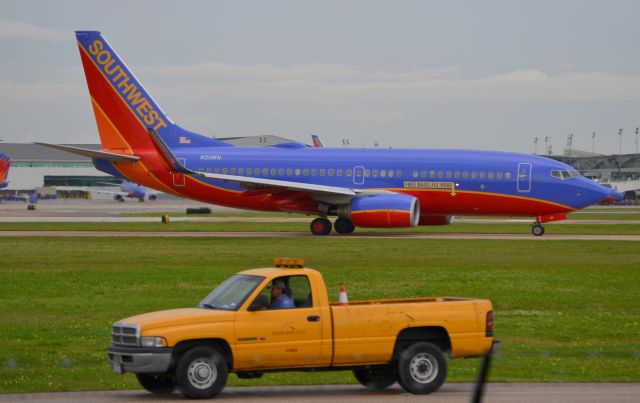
382,211
436,219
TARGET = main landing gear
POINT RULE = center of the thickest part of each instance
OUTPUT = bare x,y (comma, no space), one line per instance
537,229
322,226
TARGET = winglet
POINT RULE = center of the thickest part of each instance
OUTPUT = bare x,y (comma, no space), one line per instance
111,157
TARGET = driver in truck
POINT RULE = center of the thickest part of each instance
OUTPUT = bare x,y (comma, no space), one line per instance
279,299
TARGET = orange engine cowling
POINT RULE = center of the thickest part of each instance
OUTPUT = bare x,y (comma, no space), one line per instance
382,211
436,219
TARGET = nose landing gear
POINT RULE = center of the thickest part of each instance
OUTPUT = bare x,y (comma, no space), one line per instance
537,229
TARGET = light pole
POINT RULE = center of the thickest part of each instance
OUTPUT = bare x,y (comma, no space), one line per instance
637,161
535,145
593,140
569,142
546,145
620,134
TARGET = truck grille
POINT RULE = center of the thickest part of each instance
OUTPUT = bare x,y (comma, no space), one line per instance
124,335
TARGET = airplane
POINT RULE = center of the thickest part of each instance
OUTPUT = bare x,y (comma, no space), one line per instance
316,141
379,188
5,163
127,190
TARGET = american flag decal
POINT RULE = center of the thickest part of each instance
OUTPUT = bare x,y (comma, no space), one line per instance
185,140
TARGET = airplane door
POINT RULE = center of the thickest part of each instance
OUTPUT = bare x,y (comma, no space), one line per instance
358,175
524,177
178,178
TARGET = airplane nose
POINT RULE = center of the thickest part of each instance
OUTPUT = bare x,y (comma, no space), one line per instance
613,196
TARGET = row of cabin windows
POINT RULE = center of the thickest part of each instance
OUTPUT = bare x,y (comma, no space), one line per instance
375,173
462,174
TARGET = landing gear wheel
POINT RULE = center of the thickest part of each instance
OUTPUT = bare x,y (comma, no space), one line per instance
343,226
201,373
161,384
422,368
376,378
537,230
320,226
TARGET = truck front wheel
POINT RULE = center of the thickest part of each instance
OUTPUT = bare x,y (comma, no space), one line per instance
376,378
201,373
422,368
157,384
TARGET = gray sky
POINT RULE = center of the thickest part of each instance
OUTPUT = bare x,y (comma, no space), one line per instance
447,74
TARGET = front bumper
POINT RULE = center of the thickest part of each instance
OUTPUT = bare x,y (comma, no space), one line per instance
139,360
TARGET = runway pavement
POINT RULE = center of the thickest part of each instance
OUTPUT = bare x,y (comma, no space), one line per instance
378,235
449,393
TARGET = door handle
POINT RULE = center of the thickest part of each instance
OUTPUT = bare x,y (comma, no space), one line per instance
313,318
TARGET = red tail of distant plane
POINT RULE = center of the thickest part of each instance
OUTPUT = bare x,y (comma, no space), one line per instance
5,163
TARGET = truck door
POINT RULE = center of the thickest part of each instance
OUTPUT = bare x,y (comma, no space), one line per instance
281,338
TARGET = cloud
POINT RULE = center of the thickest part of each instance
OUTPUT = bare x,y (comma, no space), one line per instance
26,31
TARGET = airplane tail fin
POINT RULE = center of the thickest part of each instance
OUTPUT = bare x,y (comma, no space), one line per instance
5,163
124,110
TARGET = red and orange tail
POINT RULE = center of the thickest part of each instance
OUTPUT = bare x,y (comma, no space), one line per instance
5,163
127,117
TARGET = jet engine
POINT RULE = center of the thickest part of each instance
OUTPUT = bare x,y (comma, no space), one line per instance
382,211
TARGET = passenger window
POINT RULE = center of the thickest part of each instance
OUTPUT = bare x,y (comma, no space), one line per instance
224,171
391,173
432,174
383,173
456,174
297,171
240,171
314,172
474,175
483,174
274,171
281,171
449,174
330,172
499,174
305,172
375,173
507,175
216,170
465,175
232,171
265,172
349,172
414,174
440,174
249,171
423,174
490,175
398,173
367,173
339,172
289,171
322,171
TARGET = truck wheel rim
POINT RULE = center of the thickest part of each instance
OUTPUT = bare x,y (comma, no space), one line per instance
423,368
202,373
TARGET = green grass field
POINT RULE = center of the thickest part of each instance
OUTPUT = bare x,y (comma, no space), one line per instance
564,311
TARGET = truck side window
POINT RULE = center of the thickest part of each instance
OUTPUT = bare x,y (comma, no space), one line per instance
296,288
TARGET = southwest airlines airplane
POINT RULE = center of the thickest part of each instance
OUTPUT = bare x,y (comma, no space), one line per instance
381,188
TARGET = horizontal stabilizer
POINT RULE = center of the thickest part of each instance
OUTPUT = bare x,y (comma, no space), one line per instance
111,157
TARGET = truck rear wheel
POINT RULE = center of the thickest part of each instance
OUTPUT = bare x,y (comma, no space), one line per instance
157,384
201,373
422,368
376,378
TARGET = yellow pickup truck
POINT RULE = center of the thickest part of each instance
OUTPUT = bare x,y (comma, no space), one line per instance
280,318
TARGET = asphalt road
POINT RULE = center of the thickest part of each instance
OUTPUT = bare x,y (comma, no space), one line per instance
453,392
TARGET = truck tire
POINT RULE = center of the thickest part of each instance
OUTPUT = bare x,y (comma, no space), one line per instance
157,384
422,368
376,378
201,373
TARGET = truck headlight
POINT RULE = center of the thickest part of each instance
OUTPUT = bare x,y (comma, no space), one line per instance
147,341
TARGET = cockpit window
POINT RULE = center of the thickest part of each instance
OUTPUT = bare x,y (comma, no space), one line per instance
564,174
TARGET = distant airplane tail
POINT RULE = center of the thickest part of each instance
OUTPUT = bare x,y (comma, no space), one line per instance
316,141
124,110
5,163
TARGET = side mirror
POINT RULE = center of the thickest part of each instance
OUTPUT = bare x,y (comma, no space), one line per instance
259,303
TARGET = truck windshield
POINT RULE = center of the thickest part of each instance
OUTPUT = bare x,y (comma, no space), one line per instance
230,295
